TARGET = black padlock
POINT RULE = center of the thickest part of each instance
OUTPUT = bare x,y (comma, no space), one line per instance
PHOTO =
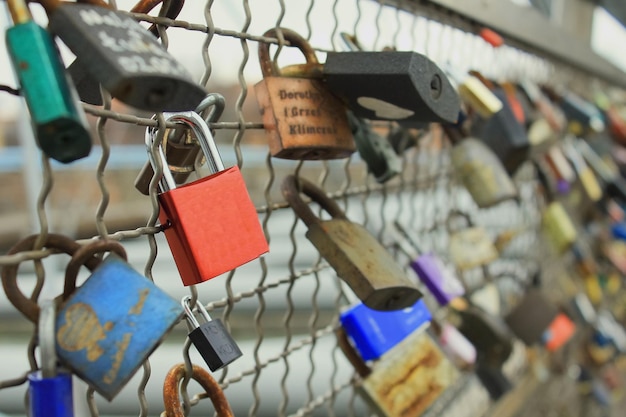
125,58
583,117
504,134
392,85
211,338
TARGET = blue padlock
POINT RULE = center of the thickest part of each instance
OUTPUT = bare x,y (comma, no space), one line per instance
50,388
111,324
376,332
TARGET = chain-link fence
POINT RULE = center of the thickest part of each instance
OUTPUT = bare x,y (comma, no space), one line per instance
283,308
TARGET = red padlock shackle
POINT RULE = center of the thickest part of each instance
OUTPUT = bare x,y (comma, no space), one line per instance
291,188
24,304
269,67
171,399
84,254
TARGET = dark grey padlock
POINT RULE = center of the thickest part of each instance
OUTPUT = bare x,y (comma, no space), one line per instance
504,134
125,58
381,159
392,85
211,338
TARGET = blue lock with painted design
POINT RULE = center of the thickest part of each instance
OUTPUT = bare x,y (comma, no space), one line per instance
111,324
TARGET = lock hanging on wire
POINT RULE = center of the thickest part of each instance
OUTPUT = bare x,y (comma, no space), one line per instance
214,343
58,122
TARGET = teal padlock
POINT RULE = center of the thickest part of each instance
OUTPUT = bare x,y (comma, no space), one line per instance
59,124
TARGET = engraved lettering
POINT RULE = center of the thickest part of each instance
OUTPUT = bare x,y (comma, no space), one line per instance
302,129
299,95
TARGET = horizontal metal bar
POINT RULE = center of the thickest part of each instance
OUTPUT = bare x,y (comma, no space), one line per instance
528,27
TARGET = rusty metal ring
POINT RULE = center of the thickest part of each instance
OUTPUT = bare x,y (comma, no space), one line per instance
172,12
171,399
85,254
24,304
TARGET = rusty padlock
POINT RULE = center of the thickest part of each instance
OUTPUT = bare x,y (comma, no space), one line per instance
181,152
357,257
407,379
55,242
171,399
302,118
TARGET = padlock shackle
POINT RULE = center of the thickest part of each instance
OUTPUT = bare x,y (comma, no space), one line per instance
268,66
171,395
84,254
458,213
215,100
191,318
203,135
351,354
293,186
24,304
46,338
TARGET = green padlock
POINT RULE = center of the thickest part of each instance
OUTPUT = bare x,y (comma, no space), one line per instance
381,159
60,125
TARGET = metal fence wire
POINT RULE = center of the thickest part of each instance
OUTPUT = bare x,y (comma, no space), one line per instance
283,308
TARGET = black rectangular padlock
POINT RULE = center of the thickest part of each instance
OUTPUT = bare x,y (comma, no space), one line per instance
125,58
214,343
392,85
504,134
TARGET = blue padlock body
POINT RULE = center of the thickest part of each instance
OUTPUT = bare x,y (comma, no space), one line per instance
376,332
111,324
619,230
50,397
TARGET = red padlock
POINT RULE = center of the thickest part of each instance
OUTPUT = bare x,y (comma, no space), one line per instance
211,224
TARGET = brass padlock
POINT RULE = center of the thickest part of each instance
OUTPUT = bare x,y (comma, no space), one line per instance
407,379
475,94
470,247
357,257
303,119
480,170
556,222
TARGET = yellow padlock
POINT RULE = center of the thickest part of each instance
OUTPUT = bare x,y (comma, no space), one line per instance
559,226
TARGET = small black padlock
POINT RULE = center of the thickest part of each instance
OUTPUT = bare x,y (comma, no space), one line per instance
211,338
504,134
125,58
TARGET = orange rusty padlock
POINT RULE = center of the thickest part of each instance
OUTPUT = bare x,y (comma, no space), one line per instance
171,399
303,119
210,224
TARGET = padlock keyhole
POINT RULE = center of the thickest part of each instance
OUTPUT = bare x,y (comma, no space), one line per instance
157,96
435,86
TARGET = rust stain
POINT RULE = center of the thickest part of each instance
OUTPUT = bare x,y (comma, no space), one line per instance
118,358
82,330
410,386
143,295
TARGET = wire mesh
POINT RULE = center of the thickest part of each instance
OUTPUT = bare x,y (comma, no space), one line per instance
283,307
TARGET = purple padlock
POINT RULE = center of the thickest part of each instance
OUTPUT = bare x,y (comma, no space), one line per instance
438,277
